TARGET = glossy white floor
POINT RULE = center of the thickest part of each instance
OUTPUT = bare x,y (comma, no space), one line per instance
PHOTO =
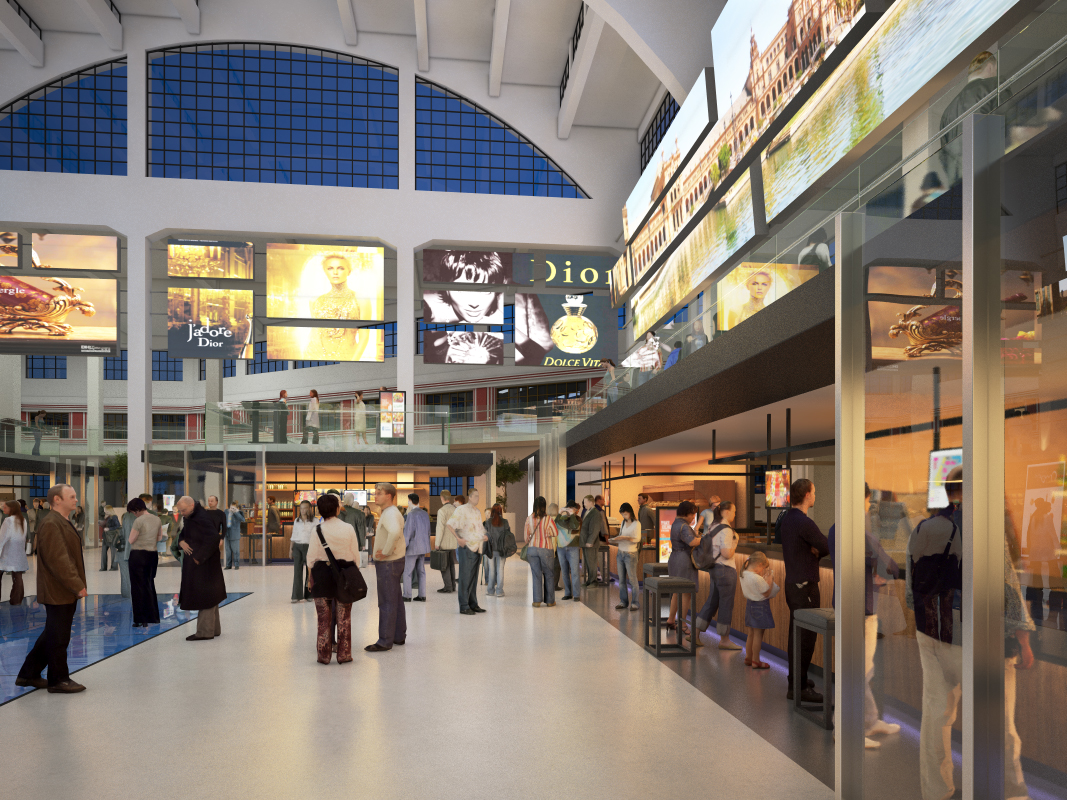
515,703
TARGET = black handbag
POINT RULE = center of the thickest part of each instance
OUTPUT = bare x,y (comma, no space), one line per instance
349,586
439,560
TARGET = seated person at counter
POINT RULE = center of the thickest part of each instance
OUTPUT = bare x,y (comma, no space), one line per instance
803,544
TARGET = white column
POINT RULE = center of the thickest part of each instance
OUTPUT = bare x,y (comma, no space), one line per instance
405,329
212,398
11,401
139,358
94,417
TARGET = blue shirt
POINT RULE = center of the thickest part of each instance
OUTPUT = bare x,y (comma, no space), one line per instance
233,524
417,532
672,359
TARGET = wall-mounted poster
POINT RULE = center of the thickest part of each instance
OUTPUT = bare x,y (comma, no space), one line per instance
9,249
286,343
58,316
723,231
555,330
462,347
904,50
75,251
209,323
189,258
749,288
467,266
314,281
465,308
392,420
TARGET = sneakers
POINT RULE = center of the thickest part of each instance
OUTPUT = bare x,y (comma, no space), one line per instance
621,607
500,594
871,744
635,607
883,728
66,687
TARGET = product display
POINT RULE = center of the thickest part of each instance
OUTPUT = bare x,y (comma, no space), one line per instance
58,316
467,266
202,259
75,251
463,347
312,281
749,288
290,343
467,308
554,330
209,323
726,229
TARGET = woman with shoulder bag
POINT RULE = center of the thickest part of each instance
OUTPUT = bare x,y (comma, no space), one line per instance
497,529
341,538
540,535
720,602
680,564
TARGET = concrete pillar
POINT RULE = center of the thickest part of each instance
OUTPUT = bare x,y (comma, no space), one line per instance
213,428
94,418
405,329
11,389
139,358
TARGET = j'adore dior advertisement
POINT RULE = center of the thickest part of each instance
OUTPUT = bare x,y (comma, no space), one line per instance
556,330
58,316
209,323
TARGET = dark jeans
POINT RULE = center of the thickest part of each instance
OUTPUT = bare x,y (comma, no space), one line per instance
589,556
468,577
110,544
50,650
392,621
143,586
308,429
806,596
300,572
449,573
18,591
720,600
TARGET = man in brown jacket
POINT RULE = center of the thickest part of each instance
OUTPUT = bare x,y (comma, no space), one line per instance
60,583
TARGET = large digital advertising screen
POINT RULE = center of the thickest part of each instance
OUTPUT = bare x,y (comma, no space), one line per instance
209,323
190,258
904,50
314,281
58,316
556,330
467,266
749,288
584,270
465,308
689,126
75,251
724,230
392,417
9,249
325,344
462,347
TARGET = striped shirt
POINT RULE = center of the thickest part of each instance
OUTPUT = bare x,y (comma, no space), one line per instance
541,532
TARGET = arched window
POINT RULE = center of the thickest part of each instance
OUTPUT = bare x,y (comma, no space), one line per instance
461,147
272,113
76,123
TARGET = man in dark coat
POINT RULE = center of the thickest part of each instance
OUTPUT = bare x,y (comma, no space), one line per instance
203,586
593,527
60,584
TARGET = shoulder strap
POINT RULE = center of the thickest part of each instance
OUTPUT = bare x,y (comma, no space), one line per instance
948,547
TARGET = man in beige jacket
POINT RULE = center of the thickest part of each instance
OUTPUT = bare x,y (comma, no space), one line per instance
60,584
445,541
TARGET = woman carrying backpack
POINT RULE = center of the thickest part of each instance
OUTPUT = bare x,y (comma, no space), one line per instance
720,602
501,544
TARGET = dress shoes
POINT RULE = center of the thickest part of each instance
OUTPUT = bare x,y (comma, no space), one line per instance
576,599
407,599
419,599
66,687
468,611
376,648
36,683
443,591
195,638
478,609
806,696
567,597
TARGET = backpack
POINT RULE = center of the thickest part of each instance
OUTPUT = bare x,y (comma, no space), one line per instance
508,546
705,554
937,575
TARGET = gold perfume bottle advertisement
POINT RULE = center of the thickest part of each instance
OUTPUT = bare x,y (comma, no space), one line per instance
553,330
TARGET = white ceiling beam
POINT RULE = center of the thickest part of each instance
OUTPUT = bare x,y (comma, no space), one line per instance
22,37
500,38
348,22
653,107
189,11
422,43
579,71
104,20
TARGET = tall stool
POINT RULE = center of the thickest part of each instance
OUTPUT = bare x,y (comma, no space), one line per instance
820,621
654,590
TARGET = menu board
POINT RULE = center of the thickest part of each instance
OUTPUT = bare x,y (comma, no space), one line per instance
391,424
665,520
776,483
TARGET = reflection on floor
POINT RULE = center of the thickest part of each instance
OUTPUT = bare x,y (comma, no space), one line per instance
102,628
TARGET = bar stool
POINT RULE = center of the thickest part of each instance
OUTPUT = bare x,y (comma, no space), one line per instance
820,621
604,561
654,590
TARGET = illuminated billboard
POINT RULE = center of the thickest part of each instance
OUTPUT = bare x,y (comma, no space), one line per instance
467,266
577,270
749,288
58,316
462,347
465,308
556,330
209,323
313,281
325,344
75,251
9,249
202,259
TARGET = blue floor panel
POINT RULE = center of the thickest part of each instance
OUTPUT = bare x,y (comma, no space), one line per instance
103,626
